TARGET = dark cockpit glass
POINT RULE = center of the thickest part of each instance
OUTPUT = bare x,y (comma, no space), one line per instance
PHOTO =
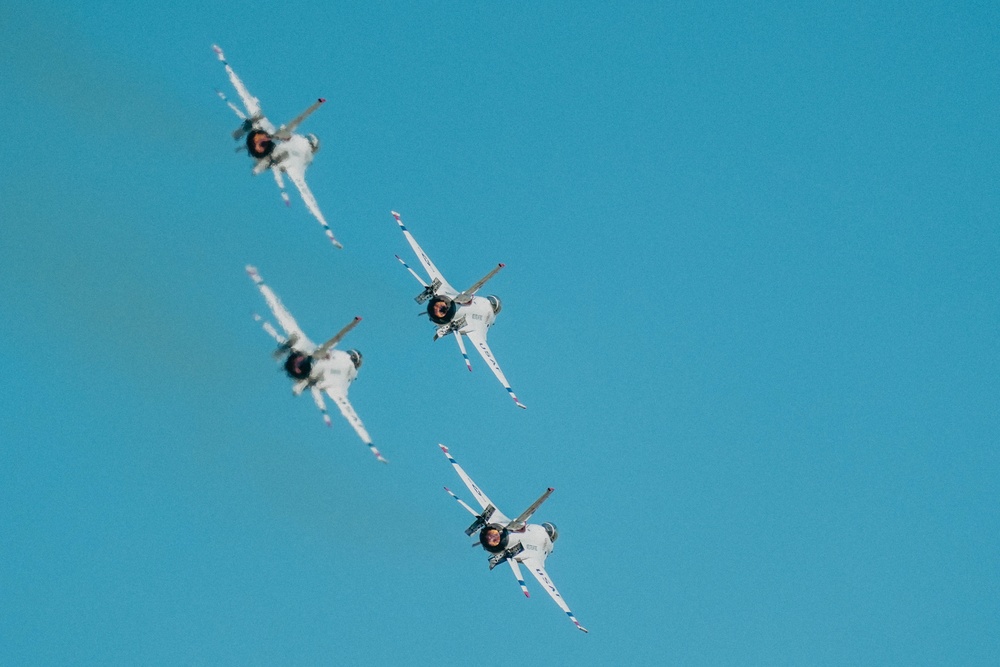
495,303
356,358
550,528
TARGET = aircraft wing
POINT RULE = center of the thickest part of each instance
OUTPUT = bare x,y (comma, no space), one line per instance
428,265
536,568
481,497
294,333
298,177
352,418
251,103
478,339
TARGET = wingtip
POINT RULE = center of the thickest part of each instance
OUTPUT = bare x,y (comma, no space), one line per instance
321,100
445,450
520,405
377,453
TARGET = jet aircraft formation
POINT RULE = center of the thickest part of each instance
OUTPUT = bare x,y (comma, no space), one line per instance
323,368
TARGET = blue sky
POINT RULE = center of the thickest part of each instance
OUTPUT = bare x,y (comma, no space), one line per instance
751,301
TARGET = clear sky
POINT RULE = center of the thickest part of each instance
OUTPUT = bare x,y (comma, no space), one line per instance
751,302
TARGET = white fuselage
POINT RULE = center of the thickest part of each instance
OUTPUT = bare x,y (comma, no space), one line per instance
293,153
478,315
337,371
534,539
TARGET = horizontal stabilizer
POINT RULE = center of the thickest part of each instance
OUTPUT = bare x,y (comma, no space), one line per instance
518,523
466,296
285,131
328,345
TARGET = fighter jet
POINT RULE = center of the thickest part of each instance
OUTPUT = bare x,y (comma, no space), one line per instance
513,541
279,150
317,369
460,313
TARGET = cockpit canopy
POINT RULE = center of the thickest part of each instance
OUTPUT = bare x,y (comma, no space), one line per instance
356,358
550,528
313,142
495,302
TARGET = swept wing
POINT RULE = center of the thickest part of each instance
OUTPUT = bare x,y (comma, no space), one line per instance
478,339
298,339
340,398
298,177
481,497
428,265
534,565
251,103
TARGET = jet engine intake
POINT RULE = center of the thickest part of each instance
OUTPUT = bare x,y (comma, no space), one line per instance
260,144
298,365
494,538
441,309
